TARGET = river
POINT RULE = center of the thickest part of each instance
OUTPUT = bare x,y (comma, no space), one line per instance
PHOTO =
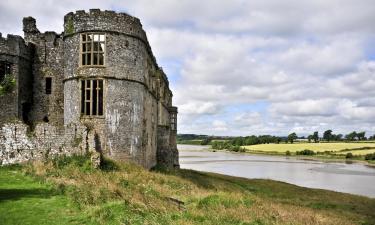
353,178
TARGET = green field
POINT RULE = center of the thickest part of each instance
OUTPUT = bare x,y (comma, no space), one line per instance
316,147
68,191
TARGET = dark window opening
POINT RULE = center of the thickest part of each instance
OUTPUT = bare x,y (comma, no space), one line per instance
5,69
92,97
26,108
48,85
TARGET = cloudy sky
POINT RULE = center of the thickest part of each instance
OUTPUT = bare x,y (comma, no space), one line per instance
241,67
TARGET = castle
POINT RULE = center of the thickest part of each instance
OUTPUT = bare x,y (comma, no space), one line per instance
95,88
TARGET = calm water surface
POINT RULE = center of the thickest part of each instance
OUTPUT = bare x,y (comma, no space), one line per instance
350,178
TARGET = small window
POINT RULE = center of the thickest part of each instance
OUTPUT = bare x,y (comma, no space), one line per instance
92,49
5,69
92,97
173,118
48,85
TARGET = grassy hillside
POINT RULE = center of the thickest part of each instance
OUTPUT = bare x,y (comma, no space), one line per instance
316,147
68,191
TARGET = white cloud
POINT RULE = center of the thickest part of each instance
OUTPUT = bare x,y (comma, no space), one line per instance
307,60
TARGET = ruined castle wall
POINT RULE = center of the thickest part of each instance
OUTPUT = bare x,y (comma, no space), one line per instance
47,64
18,144
13,50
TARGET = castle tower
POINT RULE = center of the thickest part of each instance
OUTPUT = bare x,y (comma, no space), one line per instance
15,78
112,84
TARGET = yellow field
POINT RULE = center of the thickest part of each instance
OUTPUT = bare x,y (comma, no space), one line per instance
316,147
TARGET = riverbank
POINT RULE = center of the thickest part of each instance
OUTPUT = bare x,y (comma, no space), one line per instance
70,192
318,156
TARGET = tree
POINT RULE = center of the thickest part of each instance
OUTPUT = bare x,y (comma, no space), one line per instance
338,137
327,135
351,136
291,137
361,135
309,138
315,136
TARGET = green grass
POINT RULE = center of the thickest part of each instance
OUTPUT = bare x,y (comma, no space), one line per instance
26,201
67,191
316,147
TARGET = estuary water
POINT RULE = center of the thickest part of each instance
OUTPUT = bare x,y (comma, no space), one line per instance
342,177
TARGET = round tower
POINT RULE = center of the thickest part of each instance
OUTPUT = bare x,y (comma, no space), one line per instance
110,84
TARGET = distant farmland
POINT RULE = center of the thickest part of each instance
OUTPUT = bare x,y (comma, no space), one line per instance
340,148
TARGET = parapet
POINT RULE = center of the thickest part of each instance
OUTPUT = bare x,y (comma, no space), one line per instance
97,20
14,45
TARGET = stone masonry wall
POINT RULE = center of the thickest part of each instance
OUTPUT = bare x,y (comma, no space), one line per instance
14,50
18,144
47,63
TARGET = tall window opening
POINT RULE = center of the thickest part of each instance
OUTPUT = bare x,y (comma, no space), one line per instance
5,69
92,49
173,118
92,97
48,85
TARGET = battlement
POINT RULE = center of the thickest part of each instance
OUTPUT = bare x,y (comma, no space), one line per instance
14,45
107,20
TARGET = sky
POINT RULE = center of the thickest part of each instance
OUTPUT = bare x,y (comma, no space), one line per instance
244,67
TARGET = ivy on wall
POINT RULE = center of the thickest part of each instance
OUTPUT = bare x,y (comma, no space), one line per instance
7,85
69,27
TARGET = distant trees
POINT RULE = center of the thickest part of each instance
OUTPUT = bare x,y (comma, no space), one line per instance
315,136
291,137
337,137
327,135
361,136
352,136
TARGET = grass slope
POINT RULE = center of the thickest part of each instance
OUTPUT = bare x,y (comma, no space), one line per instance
26,201
55,192
316,147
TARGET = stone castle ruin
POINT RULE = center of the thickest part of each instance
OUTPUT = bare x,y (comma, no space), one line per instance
95,88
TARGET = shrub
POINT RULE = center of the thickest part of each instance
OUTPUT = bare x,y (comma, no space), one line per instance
349,155
287,153
305,152
7,85
234,148
108,165
370,156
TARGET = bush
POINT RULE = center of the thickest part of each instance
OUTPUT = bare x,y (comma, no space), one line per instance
305,152
288,153
7,85
349,155
108,165
206,141
370,156
234,148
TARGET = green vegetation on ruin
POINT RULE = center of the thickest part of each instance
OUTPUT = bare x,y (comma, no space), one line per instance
69,191
7,85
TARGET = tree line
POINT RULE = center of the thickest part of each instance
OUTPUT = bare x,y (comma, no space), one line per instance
328,136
